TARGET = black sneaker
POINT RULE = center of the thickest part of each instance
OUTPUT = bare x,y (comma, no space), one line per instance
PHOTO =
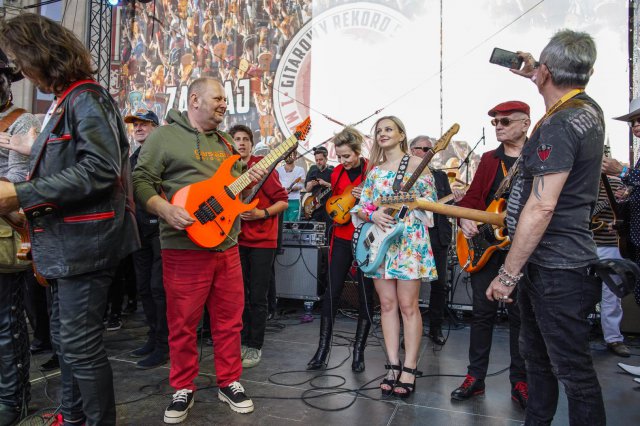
520,394
115,323
52,364
470,387
177,411
155,359
131,308
144,350
234,396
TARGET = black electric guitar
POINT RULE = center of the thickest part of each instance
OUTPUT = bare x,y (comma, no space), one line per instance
621,219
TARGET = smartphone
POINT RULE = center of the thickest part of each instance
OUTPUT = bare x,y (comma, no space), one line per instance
505,58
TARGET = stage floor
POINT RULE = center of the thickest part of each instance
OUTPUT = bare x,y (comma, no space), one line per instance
278,384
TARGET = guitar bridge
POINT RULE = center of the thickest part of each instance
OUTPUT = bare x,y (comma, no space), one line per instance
208,210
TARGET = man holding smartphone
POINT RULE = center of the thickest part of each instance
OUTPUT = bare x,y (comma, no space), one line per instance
548,216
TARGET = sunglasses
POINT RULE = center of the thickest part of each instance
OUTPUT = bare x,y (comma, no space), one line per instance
635,122
505,121
422,148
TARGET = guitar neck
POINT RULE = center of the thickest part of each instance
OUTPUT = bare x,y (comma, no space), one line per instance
600,207
271,158
482,216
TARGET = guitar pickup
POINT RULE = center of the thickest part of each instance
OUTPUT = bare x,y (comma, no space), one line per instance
214,204
403,212
369,240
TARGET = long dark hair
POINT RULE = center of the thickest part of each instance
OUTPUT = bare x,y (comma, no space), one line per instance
46,52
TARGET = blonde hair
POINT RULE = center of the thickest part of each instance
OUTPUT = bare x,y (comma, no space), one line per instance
377,156
350,137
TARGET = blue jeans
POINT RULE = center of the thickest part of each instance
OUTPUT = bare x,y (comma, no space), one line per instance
554,341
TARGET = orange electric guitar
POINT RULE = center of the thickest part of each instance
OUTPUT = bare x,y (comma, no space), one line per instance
215,203
474,253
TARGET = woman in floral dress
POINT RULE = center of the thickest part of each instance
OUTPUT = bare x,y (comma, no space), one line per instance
408,259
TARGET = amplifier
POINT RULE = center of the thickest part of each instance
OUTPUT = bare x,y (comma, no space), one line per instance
305,226
293,238
304,234
301,272
459,283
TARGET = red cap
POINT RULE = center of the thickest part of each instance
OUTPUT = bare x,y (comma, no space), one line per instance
508,107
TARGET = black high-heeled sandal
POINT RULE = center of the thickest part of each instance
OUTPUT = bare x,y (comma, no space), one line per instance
389,382
409,388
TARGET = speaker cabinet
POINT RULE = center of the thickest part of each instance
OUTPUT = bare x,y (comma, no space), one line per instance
459,283
301,272
630,315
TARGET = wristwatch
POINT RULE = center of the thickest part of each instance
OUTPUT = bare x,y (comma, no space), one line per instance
266,213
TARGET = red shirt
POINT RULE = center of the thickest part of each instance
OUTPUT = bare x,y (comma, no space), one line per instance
477,194
344,232
263,233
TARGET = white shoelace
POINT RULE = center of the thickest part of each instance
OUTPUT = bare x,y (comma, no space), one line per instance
181,396
236,388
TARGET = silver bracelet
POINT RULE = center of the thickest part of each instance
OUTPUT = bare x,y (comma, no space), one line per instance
507,279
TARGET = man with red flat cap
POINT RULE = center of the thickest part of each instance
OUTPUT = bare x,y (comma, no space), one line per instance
511,120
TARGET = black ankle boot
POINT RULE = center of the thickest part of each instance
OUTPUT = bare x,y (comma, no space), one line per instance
319,360
362,332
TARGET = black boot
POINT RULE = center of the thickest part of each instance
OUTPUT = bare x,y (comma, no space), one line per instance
319,360
362,332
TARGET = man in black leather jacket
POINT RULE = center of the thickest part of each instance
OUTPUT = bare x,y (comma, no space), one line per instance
78,204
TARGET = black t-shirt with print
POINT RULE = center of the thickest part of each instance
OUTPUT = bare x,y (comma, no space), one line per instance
570,140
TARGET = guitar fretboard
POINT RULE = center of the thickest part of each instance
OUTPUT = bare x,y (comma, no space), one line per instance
244,180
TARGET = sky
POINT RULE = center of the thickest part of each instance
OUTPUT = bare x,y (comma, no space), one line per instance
397,71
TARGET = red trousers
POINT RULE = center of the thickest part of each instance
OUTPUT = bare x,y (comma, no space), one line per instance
193,278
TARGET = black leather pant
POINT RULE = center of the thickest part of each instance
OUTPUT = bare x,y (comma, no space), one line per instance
76,333
14,342
148,267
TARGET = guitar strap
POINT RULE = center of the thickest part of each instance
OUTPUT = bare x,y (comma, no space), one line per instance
402,169
11,118
505,184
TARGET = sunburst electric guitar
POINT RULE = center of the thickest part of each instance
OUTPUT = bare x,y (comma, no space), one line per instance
314,202
215,203
371,243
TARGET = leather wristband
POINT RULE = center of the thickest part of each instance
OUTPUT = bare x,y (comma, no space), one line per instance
266,213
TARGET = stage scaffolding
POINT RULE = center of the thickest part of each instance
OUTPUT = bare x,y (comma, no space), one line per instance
99,38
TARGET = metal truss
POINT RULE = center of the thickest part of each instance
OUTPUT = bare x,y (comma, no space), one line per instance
99,38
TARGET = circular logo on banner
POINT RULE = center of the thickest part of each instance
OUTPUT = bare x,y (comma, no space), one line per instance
292,86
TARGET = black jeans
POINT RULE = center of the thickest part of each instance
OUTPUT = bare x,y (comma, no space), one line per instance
554,339
484,318
340,261
438,294
148,267
256,273
76,333
14,342
35,303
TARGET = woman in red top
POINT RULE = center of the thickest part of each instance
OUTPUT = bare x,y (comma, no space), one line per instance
351,171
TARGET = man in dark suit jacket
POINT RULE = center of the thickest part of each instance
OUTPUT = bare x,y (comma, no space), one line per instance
511,121
440,237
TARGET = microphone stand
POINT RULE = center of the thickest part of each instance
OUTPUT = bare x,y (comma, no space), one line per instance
466,160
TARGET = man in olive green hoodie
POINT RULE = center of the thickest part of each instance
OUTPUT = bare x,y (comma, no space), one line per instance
188,150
